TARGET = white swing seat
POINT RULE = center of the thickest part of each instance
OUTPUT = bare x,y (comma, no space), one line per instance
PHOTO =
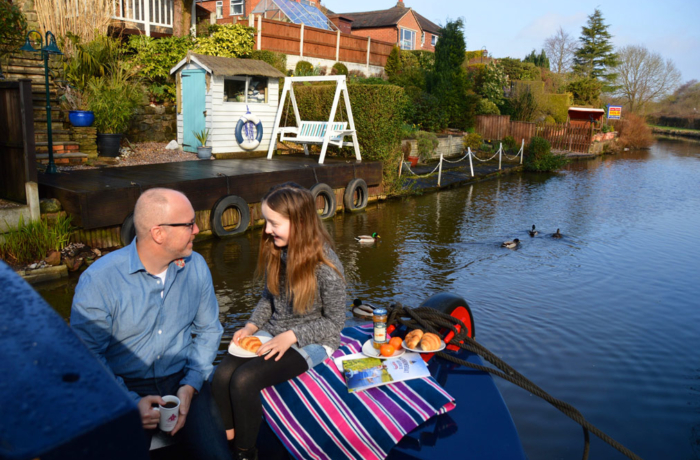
312,132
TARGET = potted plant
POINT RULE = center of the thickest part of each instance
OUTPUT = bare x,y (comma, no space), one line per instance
203,152
406,149
77,103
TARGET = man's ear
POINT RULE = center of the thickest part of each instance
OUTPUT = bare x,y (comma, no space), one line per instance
158,234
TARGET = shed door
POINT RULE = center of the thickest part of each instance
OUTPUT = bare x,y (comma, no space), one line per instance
194,88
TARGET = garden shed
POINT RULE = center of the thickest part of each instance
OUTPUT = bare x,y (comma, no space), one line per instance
235,99
585,115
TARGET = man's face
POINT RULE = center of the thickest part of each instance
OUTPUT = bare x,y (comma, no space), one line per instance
179,239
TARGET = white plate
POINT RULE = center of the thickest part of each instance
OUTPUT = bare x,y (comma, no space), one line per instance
419,350
369,350
235,350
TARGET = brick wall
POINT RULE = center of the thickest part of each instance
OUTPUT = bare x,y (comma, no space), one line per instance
384,34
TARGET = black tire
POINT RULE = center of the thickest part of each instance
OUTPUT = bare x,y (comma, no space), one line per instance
128,231
356,186
325,191
446,302
217,212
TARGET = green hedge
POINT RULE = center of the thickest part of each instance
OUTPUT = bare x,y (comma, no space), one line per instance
276,60
378,114
558,106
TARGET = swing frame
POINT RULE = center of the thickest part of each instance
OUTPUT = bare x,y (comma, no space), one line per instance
328,132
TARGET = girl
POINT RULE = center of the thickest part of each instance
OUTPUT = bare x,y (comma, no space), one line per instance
302,308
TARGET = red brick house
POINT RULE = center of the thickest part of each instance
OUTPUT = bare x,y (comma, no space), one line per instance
400,25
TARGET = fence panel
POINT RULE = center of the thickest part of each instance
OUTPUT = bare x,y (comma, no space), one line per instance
566,136
493,126
17,148
520,130
282,37
319,43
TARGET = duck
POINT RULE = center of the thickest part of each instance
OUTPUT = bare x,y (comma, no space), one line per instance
556,235
533,232
368,238
511,244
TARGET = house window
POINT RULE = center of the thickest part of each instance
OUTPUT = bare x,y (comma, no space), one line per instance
255,88
433,40
422,38
236,7
219,10
408,38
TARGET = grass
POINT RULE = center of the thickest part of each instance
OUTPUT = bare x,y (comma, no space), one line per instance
669,128
30,242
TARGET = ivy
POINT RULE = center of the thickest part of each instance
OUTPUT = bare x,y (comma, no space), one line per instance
13,26
227,40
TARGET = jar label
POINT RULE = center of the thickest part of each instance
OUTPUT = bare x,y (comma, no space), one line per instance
380,332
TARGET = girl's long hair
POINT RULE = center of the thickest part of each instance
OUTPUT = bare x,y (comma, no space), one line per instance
307,236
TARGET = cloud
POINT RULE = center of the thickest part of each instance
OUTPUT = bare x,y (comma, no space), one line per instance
546,25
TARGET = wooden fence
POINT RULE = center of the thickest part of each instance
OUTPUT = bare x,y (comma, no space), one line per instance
17,147
300,40
562,136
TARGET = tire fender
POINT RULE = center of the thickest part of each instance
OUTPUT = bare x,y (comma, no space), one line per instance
358,186
217,212
128,231
325,191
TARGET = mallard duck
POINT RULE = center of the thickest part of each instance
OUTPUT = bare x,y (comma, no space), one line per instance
511,244
556,235
368,238
533,232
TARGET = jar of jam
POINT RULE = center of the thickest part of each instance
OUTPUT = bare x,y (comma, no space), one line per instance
379,317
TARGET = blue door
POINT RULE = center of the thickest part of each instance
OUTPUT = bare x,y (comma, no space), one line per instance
194,89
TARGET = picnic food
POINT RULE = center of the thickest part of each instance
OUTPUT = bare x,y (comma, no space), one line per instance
430,342
387,350
413,337
250,343
396,342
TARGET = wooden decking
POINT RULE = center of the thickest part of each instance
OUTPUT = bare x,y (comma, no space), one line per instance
99,198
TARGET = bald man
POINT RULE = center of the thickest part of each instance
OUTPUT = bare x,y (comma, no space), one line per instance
138,308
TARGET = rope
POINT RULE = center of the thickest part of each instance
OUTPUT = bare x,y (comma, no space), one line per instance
456,161
424,175
477,158
429,319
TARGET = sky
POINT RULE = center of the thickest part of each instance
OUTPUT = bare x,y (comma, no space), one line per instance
509,28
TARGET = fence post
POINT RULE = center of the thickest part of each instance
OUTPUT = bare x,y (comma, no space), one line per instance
147,18
251,20
369,41
440,170
471,166
337,47
500,153
301,41
522,151
259,32
401,165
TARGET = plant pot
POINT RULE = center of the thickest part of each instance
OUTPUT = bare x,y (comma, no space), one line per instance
81,118
108,144
203,153
412,160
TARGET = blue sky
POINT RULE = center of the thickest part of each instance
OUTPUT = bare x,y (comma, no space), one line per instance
514,28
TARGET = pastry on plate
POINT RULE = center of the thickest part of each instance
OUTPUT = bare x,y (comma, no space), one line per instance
413,337
250,343
430,342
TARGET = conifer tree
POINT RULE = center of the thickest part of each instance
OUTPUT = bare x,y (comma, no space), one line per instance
393,65
540,60
596,57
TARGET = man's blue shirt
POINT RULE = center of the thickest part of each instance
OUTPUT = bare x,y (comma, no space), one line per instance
119,313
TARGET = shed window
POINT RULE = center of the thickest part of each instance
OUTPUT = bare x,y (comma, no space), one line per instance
236,7
219,10
250,90
408,38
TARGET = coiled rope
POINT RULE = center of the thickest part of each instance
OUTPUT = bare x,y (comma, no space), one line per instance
431,320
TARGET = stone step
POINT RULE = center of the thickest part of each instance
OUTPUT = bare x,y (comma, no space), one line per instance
56,137
58,147
16,70
63,158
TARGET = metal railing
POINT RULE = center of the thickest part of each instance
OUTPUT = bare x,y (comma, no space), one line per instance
146,12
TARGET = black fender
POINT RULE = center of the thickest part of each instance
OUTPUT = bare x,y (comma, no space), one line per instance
356,187
217,212
448,303
328,195
128,231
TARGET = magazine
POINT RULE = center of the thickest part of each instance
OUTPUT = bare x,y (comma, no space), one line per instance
363,373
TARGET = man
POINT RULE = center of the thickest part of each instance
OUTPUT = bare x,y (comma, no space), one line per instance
138,308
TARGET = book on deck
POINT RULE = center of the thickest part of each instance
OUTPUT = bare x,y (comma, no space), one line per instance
363,373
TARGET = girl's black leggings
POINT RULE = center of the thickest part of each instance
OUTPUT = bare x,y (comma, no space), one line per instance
236,387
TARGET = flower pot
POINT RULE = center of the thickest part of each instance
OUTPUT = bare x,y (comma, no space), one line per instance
413,160
108,144
81,118
203,153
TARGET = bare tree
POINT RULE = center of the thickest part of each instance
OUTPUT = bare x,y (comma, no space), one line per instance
560,49
644,76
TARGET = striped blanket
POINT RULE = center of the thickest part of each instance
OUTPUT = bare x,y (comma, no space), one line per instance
316,418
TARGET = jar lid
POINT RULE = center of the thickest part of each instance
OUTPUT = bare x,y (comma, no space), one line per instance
380,311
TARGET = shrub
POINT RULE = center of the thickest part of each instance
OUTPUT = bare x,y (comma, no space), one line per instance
486,107
426,112
635,133
227,40
339,69
13,27
406,150
549,120
426,143
31,242
486,147
509,143
276,60
472,141
356,75
114,99
394,66
540,157
303,68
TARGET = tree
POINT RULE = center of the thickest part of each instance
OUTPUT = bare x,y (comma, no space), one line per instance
493,82
684,102
595,57
586,91
540,60
393,63
560,49
644,76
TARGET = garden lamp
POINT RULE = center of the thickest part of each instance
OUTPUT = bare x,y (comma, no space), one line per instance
50,48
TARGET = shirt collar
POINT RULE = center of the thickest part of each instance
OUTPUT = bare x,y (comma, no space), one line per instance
135,264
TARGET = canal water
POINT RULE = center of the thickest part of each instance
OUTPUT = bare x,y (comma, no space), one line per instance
606,319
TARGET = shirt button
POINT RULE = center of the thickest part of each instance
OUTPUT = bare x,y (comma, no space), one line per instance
158,357
160,332
158,281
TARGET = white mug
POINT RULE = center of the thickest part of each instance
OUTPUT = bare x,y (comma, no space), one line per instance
169,415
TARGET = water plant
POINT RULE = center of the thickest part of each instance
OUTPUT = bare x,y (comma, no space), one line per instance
31,241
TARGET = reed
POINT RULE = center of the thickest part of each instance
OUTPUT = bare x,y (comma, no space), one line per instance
30,242
86,19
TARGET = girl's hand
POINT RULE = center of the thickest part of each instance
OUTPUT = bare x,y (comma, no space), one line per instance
249,329
278,345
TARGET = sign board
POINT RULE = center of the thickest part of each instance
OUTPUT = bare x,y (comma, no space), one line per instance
614,112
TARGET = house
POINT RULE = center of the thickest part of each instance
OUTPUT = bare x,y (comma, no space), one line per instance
399,24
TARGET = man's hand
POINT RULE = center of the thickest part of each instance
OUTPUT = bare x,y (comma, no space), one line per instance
149,416
278,345
185,394
249,329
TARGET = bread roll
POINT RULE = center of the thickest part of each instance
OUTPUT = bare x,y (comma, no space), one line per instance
413,337
430,342
250,343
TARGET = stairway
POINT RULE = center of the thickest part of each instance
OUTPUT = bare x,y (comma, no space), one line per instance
23,65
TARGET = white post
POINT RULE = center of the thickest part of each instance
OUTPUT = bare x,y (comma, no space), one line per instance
522,151
301,41
331,118
471,166
500,153
259,32
369,42
337,47
251,21
351,120
147,17
440,170
401,165
278,119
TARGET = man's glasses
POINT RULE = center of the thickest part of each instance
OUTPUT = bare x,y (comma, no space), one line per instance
189,225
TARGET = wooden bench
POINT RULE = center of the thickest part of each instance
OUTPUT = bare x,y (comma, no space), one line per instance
313,132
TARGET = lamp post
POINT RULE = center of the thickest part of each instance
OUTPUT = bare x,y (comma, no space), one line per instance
49,48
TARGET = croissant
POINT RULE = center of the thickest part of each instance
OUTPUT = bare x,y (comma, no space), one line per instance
250,343
430,342
413,337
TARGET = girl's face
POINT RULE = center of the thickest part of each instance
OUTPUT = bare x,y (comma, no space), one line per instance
276,225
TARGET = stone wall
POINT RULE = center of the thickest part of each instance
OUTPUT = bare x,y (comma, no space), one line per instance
448,145
153,124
